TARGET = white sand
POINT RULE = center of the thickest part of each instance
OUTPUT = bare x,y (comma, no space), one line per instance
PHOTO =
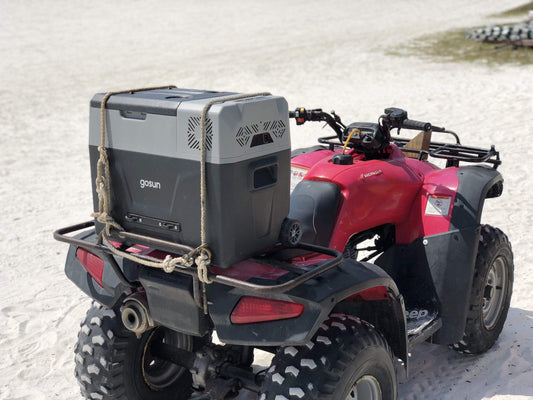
55,55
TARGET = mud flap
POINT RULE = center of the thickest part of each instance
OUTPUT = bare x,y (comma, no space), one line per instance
434,273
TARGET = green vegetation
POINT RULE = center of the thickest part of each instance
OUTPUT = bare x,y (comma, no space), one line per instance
520,11
451,46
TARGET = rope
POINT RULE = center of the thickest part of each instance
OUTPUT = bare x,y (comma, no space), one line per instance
103,175
202,260
103,189
201,256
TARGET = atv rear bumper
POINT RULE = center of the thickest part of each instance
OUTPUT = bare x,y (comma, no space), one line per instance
173,298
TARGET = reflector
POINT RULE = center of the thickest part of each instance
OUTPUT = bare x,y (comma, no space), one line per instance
93,264
252,309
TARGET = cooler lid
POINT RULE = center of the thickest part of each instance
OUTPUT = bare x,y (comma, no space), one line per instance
159,101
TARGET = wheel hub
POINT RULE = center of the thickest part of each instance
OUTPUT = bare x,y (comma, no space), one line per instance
158,373
366,388
494,292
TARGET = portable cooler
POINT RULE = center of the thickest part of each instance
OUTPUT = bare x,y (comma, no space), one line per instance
153,144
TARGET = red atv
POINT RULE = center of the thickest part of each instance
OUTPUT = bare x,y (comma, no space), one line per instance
381,250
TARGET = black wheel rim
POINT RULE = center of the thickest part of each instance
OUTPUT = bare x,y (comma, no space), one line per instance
158,373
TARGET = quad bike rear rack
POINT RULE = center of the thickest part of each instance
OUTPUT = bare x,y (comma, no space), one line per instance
304,273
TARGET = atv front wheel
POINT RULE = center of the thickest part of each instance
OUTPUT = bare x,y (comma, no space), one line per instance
490,297
112,363
346,359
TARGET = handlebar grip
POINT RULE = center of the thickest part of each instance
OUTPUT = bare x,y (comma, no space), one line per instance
437,128
412,124
302,115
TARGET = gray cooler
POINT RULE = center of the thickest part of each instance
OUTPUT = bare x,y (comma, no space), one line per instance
153,141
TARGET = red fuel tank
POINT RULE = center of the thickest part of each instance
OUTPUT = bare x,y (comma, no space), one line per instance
374,192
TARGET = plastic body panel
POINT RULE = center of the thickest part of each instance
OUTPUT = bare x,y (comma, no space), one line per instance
396,190
440,183
433,259
171,302
319,296
444,262
315,205
435,273
374,192
111,292
474,185
170,296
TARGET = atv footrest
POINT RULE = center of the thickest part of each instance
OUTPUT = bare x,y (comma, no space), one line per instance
424,330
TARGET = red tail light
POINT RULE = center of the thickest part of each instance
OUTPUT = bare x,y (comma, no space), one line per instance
257,309
93,264
375,293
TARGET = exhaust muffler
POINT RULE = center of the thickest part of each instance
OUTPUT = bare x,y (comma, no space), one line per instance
135,314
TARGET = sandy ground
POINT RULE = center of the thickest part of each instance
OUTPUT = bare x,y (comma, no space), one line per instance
54,55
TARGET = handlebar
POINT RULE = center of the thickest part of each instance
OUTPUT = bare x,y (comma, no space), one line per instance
397,118
392,118
303,115
418,125
423,126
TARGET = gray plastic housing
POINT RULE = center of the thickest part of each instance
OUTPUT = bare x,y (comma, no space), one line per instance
153,144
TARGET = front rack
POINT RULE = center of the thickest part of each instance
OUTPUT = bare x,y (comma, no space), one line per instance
455,153
304,273
452,152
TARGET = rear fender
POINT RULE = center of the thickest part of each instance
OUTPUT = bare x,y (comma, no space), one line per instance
112,290
320,296
169,296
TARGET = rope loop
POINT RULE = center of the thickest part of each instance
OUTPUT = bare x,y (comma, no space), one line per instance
203,261
168,265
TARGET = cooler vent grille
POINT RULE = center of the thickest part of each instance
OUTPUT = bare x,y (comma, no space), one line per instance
194,134
276,127
244,133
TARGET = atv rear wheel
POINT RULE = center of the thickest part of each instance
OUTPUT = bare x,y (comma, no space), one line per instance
346,359
490,297
112,363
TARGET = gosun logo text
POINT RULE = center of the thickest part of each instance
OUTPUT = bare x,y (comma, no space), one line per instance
149,184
